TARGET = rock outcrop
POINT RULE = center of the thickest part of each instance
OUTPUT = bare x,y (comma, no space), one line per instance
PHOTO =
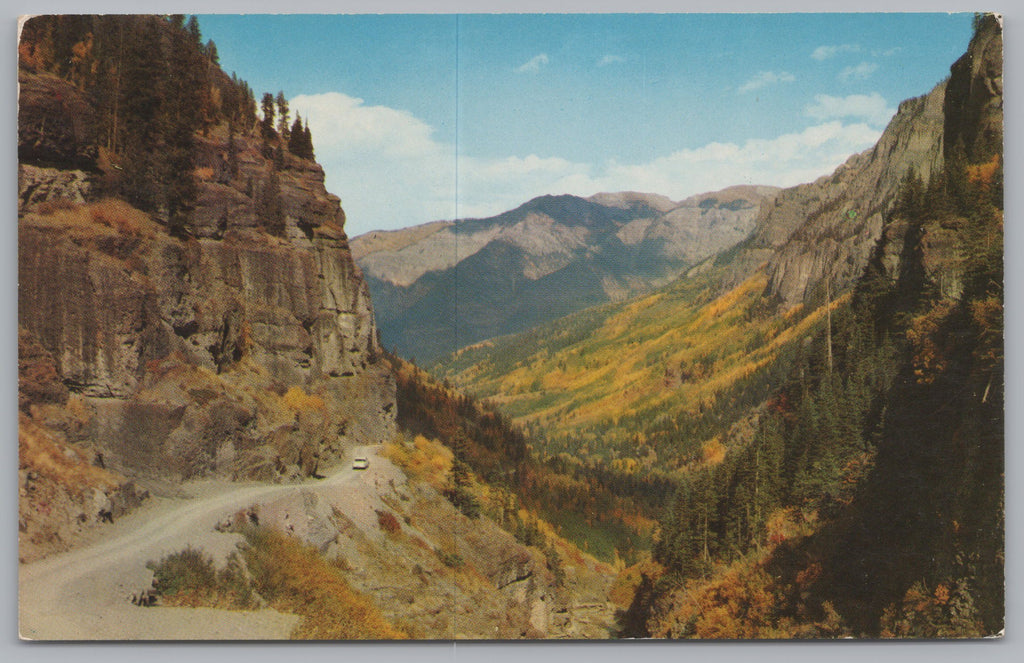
232,350
56,122
827,229
974,100
820,236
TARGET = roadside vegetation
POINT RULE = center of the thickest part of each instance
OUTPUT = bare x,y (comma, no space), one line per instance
280,572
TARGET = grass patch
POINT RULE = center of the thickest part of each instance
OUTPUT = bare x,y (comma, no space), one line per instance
42,451
293,577
109,214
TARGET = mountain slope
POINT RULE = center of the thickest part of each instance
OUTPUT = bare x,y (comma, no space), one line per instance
441,286
824,231
869,501
670,357
765,382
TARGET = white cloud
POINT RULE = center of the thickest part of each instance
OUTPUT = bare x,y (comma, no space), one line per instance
888,53
826,52
859,72
782,161
384,163
533,65
610,59
872,108
766,78
391,172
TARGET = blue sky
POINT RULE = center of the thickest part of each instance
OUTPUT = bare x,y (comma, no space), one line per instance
423,117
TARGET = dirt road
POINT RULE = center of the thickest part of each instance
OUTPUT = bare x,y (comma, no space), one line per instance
83,594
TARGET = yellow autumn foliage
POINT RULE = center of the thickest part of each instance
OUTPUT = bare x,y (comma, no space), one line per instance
421,459
41,451
293,577
297,400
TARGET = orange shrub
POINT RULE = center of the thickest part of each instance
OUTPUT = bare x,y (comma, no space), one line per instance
388,522
293,577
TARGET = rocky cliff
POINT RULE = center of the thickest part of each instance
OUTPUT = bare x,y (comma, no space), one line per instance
820,235
232,350
974,100
827,229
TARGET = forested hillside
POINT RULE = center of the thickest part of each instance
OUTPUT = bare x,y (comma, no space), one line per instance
870,500
599,510
825,397
147,95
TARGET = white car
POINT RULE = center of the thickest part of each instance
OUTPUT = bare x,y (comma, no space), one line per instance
360,463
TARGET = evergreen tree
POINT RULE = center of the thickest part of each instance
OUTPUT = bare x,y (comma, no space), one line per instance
282,116
267,107
210,51
300,141
140,104
195,38
182,109
307,145
295,137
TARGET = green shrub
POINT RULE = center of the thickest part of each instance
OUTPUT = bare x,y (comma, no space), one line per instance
189,578
450,560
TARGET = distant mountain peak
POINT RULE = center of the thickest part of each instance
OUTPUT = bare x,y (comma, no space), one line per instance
548,257
631,199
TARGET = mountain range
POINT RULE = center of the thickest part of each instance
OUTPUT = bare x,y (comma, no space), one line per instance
444,285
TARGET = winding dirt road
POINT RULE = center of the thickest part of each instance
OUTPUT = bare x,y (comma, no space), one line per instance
83,594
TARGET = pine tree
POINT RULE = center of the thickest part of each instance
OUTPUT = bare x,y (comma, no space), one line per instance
182,116
193,31
140,110
210,51
307,145
295,137
267,124
282,116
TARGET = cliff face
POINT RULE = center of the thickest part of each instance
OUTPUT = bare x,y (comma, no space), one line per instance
974,101
224,352
826,230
